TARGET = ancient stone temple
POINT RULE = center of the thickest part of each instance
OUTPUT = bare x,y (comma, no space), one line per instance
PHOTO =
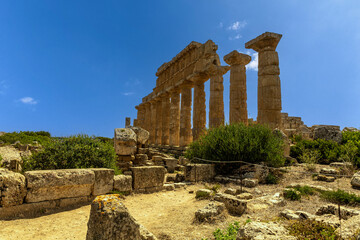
179,92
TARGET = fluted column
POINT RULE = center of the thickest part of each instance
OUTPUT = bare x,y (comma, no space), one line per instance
185,116
199,113
175,118
158,134
140,115
238,95
269,88
153,121
216,105
165,98
147,123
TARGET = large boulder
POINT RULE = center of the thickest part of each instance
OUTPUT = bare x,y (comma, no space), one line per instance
355,180
142,135
264,230
56,184
104,181
148,178
12,188
199,172
327,132
111,220
123,183
210,212
125,141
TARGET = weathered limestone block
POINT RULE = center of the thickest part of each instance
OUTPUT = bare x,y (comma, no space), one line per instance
199,172
264,230
234,205
55,184
355,180
104,181
125,141
325,178
169,186
210,212
142,135
123,183
327,132
250,183
238,95
111,220
140,159
171,163
148,177
12,188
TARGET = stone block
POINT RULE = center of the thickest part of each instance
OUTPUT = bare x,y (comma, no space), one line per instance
169,186
125,141
230,191
355,180
123,183
12,188
110,219
234,205
325,178
210,212
199,172
104,180
55,184
170,163
327,132
250,183
148,177
245,196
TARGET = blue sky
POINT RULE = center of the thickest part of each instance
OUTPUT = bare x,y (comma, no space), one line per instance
73,67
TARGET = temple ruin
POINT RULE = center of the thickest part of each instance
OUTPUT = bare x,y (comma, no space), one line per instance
166,111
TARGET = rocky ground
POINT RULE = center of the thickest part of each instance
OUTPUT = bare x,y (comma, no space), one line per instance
170,214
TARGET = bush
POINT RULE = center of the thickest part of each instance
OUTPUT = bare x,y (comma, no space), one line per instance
305,190
26,137
340,197
271,179
79,151
227,234
312,230
292,194
237,142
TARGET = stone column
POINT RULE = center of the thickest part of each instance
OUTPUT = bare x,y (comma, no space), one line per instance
165,98
158,124
140,115
216,105
199,113
238,96
185,115
127,122
147,123
175,118
269,89
153,121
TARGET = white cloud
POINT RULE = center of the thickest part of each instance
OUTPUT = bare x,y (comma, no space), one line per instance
238,36
128,93
253,65
237,25
28,100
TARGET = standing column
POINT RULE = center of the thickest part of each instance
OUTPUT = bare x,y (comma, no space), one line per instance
185,115
269,89
216,105
165,119
147,124
153,122
158,123
140,115
199,113
175,118
238,96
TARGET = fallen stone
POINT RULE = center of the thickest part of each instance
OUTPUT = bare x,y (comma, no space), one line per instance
123,183
329,171
325,178
12,188
327,132
142,135
104,181
110,219
264,230
349,228
341,164
245,196
210,212
234,205
170,164
169,186
55,184
179,177
148,178
345,213
250,183
230,191
180,185
355,180
289,214
125,141
170,177
199,172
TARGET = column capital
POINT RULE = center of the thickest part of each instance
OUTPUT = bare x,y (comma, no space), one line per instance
236,58
266,41
218,70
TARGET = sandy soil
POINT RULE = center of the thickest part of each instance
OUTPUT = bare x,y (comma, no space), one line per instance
168,215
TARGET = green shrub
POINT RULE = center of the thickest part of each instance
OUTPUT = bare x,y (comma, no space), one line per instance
340,197
79,151
312,230
26,137
305,190
227,234
292,194
237,142
271,179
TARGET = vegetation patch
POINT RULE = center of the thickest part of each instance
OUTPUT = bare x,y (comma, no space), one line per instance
237,142
312,230
26,137
227,234
292,194
340,197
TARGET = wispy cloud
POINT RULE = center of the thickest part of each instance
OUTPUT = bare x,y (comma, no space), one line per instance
238,36
236,26
132,82
128,93
3,87
28,100
253,65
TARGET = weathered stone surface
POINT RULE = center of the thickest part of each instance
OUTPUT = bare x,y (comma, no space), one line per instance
245,196
349,228
264,230
234,205
345,212
175,118
125,141
296,215
170,164
341,164
12,188
123,183
185,115
104,180
199,113
230,191
55,184
350,129
210,212
327,132
140,159
169,186
325,178
142,135
355,180
110,220
199,172
147,177
329,171
250,183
